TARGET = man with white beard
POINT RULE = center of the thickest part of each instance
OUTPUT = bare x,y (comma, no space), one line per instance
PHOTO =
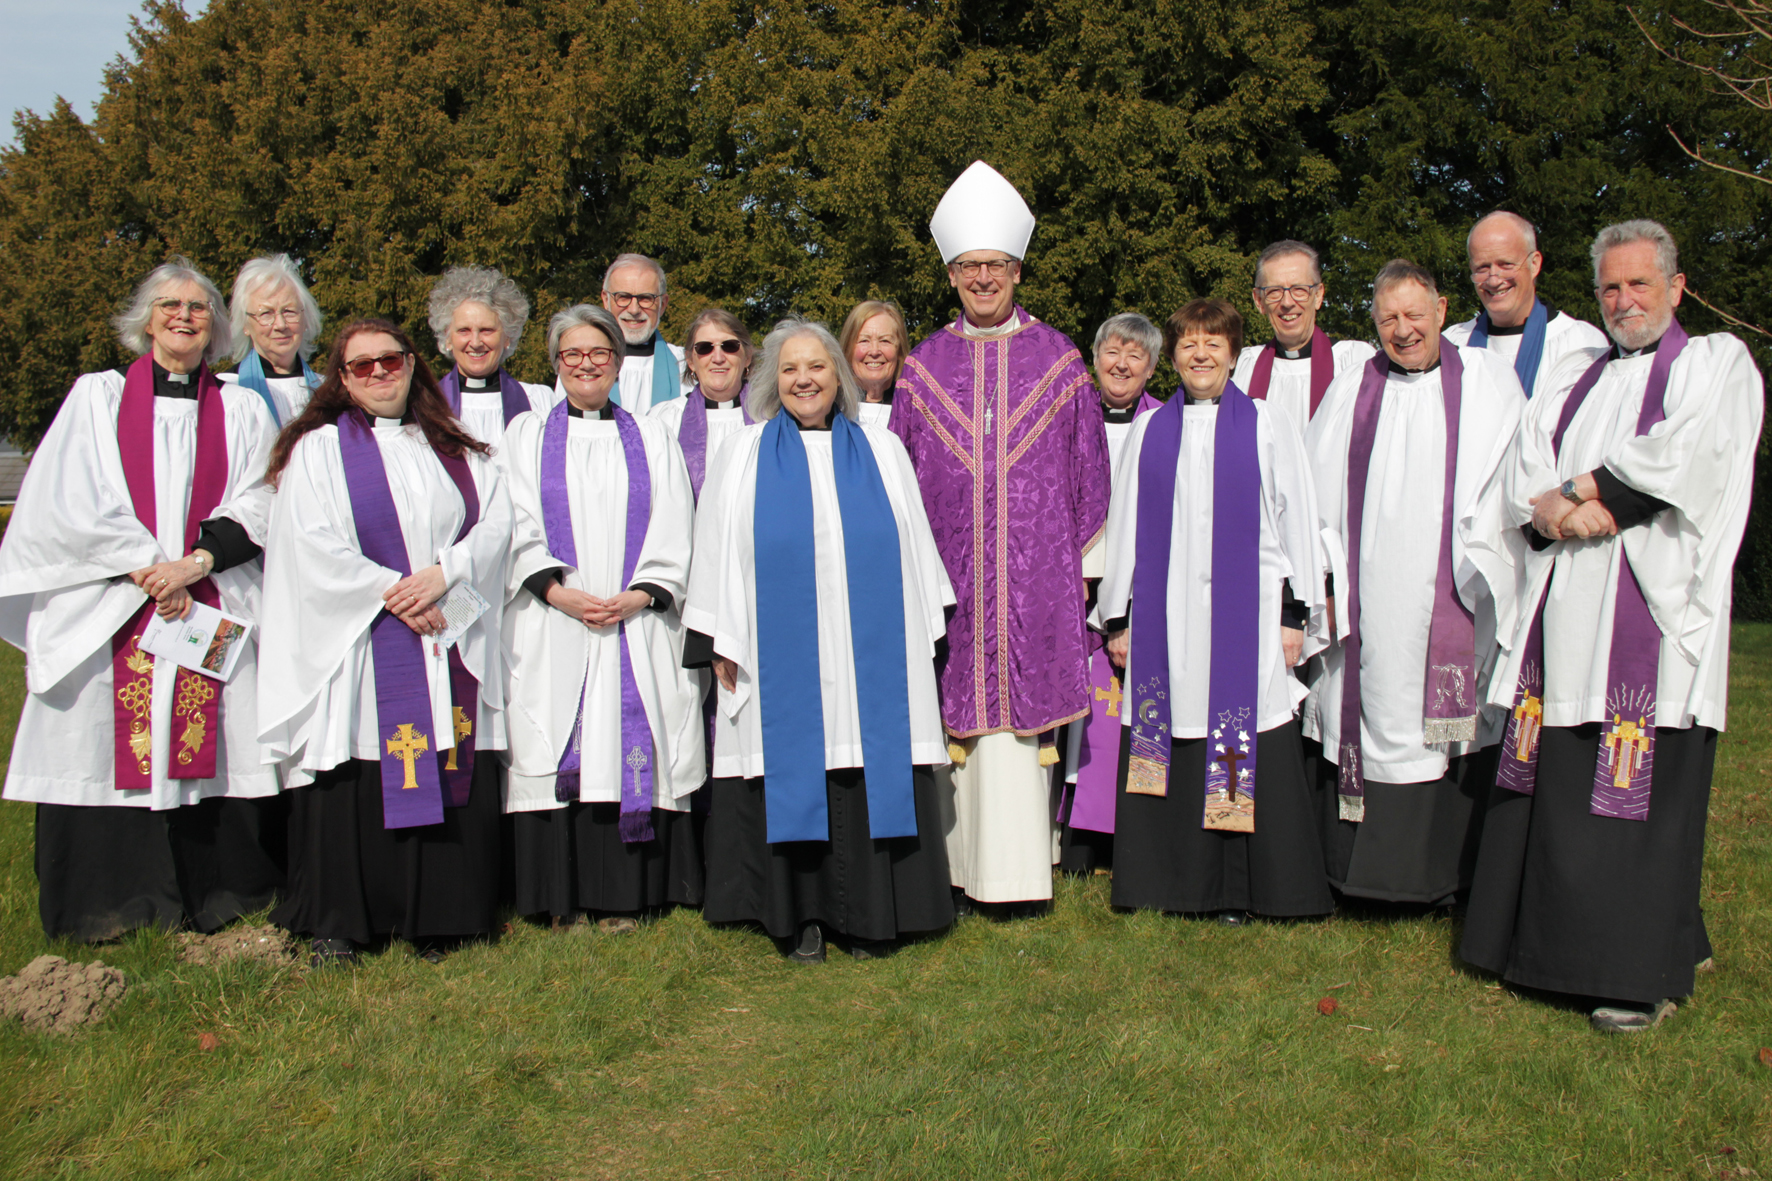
1631,475
651,373
1514,323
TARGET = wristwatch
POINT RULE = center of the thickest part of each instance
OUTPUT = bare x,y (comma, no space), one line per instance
1569,492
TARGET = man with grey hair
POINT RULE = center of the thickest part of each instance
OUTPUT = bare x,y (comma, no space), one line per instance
1515,323
1294,369
478,316
1631,478
651,373
1405,450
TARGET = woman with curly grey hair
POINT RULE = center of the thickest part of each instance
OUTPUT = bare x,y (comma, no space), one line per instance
275,320
478,316
145,498
815,566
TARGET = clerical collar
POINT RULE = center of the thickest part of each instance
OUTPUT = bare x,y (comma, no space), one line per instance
1003,329
1619,353
1301,354
479,384
1396,368
728,404
825,426
1495,329
1121,415
606,414
1193,401
173,385
272,371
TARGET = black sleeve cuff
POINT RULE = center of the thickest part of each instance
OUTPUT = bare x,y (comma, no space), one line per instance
698,649
1110,626
1536,540
1329,584
538,583
661,598
1627,506
226,542
1293,612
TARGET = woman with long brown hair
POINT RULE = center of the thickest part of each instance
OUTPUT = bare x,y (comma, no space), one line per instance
381,688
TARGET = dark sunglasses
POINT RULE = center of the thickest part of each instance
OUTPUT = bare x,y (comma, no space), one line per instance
392,363
730,347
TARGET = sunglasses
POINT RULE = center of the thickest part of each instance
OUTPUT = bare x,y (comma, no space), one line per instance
730,347
391,363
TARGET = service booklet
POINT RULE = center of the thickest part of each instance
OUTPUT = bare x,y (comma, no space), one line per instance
461,607
208,641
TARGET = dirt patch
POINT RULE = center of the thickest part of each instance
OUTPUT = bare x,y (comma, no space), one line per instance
53,995
264,944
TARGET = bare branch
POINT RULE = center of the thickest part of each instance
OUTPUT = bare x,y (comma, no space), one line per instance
1737,321
1699,156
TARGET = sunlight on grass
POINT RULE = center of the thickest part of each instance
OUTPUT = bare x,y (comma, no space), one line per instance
1085,1044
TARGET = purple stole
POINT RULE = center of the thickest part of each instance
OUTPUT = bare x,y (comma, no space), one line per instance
1091,799
1322,369
556,511
1449,706
516,398
692,435
414,790
1626,758
196,699
1234,678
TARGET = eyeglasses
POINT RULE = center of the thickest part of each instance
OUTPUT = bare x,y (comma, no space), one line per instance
996,268
573,358
1271,295
391,363
647,300
199,308
269,316
729,346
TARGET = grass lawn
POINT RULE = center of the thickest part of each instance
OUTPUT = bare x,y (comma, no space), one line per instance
1086,1044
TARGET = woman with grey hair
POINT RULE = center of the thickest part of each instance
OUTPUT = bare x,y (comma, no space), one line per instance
605,728
815,569
144,504
478,316
275,322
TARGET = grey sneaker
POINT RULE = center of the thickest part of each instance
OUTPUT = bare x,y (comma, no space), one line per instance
1614,1020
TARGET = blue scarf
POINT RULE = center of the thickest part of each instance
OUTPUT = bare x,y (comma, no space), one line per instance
787,635
251,374
1531,343
666,382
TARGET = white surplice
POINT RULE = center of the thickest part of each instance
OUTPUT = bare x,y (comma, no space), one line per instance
1564,336
1700,461
291,394
725,421
1400,550
722,600
1289,388
552,658
483,410
72,539
1289,552
316,667
1095,557
877,413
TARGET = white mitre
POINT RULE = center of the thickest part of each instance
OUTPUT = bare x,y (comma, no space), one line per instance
982,211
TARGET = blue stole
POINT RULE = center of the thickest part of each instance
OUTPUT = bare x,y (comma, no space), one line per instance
667,382
251,374
1531,343
787,635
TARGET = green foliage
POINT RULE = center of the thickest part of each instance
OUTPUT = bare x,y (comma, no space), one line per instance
786,157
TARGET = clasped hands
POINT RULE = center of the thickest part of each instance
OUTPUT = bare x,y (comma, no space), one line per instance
591,611
1558,518
165,583
413,601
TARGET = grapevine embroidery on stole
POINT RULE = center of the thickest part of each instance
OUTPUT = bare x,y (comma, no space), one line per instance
137,696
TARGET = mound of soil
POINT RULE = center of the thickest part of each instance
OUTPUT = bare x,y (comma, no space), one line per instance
265,944
52,995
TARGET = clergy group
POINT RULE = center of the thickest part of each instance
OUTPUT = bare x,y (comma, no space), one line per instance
844,639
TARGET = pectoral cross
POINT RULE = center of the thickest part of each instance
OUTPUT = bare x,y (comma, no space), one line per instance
1230,758
987,420
1528,714
1111,695
406,745
463,728
636,761
1625,747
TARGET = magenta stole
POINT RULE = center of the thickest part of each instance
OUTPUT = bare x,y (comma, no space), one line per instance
1322,370
416,785
196,699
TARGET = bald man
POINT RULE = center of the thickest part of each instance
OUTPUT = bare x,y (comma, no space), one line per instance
1514,323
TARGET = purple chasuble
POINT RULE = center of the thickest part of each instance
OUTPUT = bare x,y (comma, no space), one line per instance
1233,684
1322,369
1006,436
1626,759
415,789
1089,803
516,398
196,698
556,512
1449,706
692,434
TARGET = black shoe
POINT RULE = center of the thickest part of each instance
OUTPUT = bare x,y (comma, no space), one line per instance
870,949
962,904
431,955
1234,918
810,949
332,953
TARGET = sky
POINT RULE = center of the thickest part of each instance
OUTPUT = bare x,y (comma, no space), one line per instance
53,47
